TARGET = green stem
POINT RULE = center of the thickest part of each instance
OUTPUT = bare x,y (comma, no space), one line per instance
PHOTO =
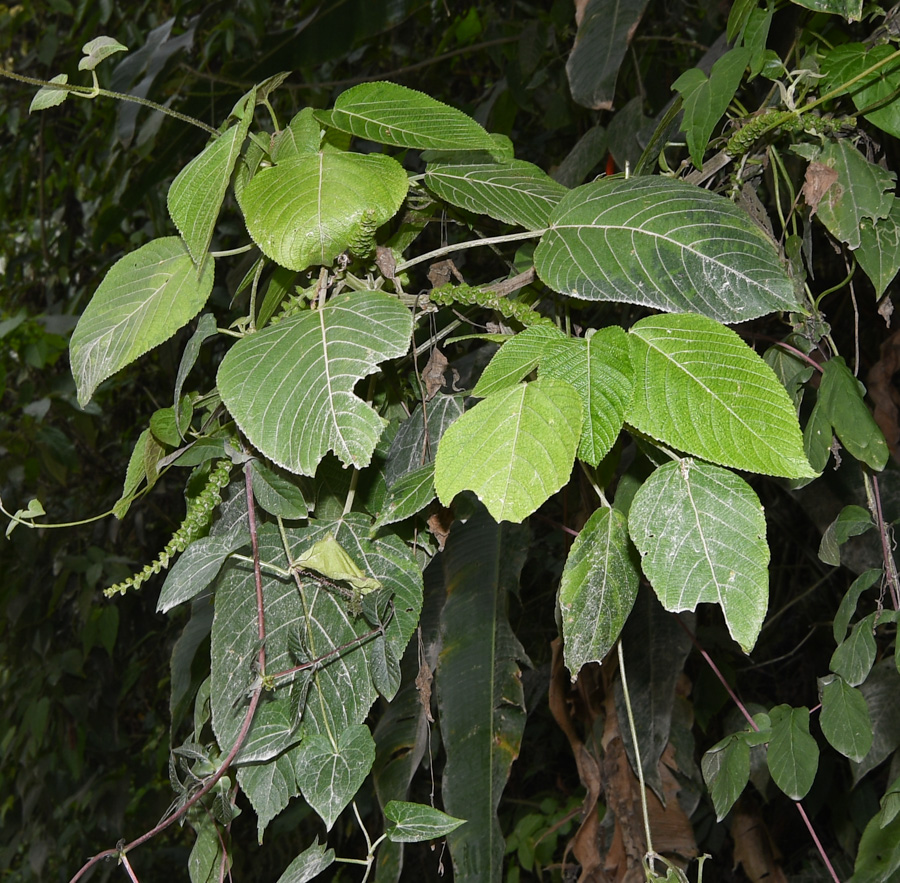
460,246
93,92
834,93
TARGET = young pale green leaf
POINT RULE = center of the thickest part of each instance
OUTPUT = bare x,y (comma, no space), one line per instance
706,100
862,190
308,210
793,754
604,32
845,718
329,558
515,192
142,301
290,386
329,775
302,135
879,248
726,771
517,358
514,449
47,96
701,533
196,195
846,62
276,494
842,403
98,49
599,367
197,567
701,389
597,591
402,117
853,521
415,822
664,244
309,864
408,495
855,656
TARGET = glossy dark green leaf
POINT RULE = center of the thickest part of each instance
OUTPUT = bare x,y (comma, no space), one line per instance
407,496
852,521
855,656
847,607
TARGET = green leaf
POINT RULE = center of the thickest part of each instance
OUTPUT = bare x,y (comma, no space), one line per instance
269,787
880,690
817,438
309,864
47,96
402,117
329,558
408,495
196,195
206,328
726,771
847,607
706,100
275,494
605,30
134,475
206,854
515,192
599,367
876,91
664,244
701,389
890,803
479,688
852,521
848,9
98,49
302,135
164,427
197,567
701,533
793,755
597,591
290,386
514,449
878,856
309,209
855,656
841,396
330,774
142,301
862,190
416,441
516,359
414,822
845,718
879,248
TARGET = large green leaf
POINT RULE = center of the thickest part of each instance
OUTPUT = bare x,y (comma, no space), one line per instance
699,388
514,449
605,30
793,754
308,209
845,718
878,857
599,367
141,302
402,117
479,689
290,386
701,533
863,190
597,591
877,91
515,192
196,195
329,774
664,244
706,100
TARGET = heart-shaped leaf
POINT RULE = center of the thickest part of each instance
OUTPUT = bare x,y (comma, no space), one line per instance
664,244
414,822
141,302
290,386
310,208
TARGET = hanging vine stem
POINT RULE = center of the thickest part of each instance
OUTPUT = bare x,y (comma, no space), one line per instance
743,710
121,851
890,568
